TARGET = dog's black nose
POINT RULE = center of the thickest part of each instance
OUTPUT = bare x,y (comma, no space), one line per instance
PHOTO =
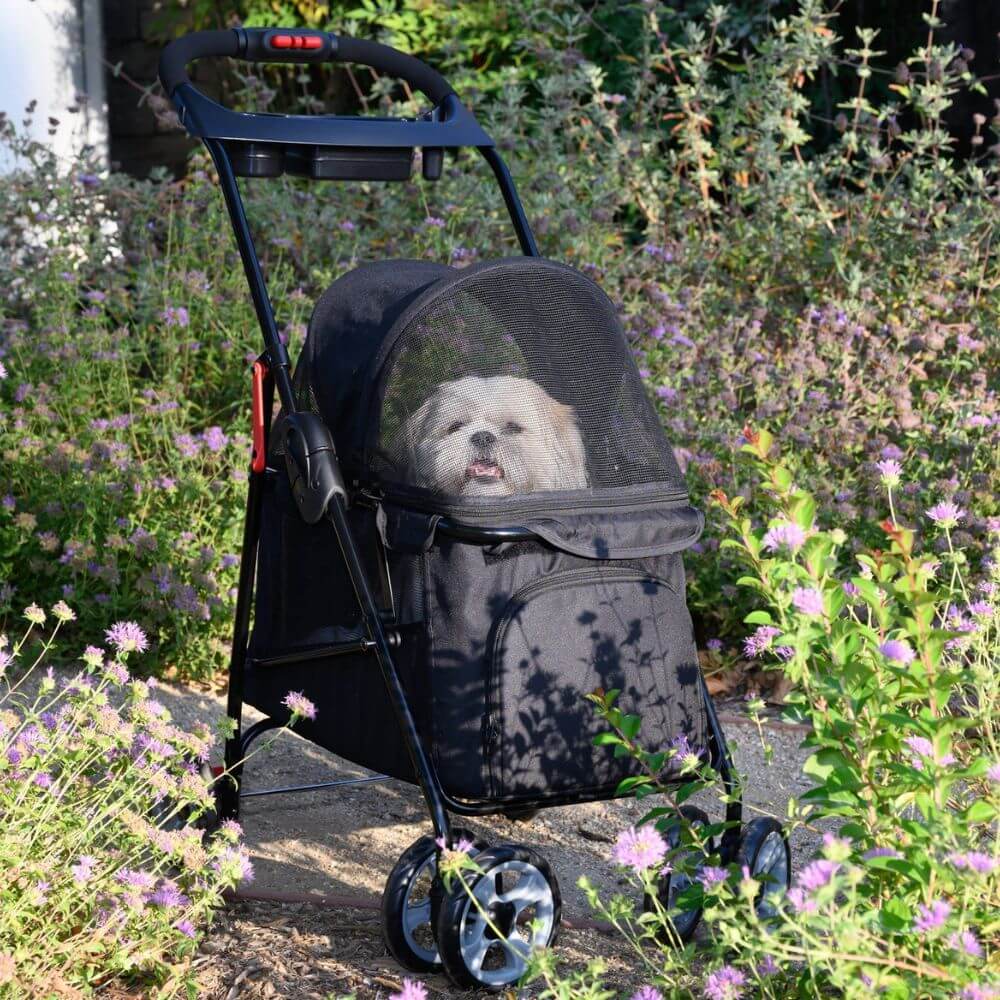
483,439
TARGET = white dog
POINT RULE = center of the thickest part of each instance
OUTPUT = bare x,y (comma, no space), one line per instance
492,437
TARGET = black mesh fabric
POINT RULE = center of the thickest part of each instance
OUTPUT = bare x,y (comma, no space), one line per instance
507,378
514,377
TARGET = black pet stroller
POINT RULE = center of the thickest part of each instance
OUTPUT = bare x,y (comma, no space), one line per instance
464,519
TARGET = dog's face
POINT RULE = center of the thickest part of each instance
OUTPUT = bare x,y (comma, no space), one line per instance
492,437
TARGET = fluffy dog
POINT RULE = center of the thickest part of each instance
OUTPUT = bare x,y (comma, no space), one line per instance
492,437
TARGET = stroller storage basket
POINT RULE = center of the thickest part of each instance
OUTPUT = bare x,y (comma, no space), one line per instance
499,643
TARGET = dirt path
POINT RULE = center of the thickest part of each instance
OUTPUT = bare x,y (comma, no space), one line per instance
344,842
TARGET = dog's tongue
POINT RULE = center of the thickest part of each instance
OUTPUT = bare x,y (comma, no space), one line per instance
484,470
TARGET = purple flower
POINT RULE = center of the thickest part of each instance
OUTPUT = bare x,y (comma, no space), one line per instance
167,895
214,439
757,643
433,222
126,637
784,533
725,983
135,879
994,773
3,375
932,917
187,445
715,645
807,601
881,852
816,874
898,650
892,451
711,875
185,927
462,846
975,861
83,869
922,747
768,967
946,513
175,316
639,849
890,471
976,992
412,990
299,705
968,942
647,993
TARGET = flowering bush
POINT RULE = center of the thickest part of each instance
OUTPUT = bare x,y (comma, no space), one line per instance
894,655
107,872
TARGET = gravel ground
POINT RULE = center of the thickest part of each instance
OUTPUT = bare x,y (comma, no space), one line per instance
344,842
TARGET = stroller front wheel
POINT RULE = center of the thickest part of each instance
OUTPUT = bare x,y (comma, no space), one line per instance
764,850
410,901
492,919
685,867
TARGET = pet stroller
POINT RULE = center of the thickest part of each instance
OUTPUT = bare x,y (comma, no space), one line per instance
464,519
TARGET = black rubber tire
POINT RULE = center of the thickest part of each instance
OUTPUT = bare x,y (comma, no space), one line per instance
752,839
516,815
456,903
680,935
397,885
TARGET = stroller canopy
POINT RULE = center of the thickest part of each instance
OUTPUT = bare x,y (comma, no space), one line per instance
513,373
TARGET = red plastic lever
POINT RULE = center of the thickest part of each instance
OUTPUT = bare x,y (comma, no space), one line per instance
258,453
296,42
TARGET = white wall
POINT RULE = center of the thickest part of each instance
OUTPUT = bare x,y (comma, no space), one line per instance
50,51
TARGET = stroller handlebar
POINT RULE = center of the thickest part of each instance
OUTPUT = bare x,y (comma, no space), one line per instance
296,45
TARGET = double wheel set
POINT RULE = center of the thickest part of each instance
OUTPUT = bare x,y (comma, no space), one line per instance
482,927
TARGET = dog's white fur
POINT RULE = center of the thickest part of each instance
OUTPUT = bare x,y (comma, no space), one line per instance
492,437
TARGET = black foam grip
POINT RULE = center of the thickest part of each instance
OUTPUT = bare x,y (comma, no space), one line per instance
181,51
394,63
228,42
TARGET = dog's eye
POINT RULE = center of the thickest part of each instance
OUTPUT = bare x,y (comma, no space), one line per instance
512,427
456,426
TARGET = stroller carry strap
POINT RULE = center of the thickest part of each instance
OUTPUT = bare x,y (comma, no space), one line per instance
405,531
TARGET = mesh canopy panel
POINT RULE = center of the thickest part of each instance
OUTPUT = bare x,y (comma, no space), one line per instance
513,378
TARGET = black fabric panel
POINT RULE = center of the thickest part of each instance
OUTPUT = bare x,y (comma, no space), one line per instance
347,326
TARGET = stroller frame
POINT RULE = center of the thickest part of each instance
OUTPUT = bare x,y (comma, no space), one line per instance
234,141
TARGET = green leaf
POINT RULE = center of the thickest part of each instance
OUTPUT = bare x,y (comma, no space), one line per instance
758,618
630,726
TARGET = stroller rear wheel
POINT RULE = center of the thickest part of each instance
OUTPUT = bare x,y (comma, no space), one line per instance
765,851
488,925
685,867
410,901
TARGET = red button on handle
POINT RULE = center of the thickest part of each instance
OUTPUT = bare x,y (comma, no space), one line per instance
282,42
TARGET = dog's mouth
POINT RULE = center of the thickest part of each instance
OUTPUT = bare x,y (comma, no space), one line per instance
484,471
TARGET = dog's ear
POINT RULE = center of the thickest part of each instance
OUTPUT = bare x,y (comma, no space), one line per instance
404,448
570,454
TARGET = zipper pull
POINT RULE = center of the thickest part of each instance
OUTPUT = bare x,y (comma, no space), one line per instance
492,732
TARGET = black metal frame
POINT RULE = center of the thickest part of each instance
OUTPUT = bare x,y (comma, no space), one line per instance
448,125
